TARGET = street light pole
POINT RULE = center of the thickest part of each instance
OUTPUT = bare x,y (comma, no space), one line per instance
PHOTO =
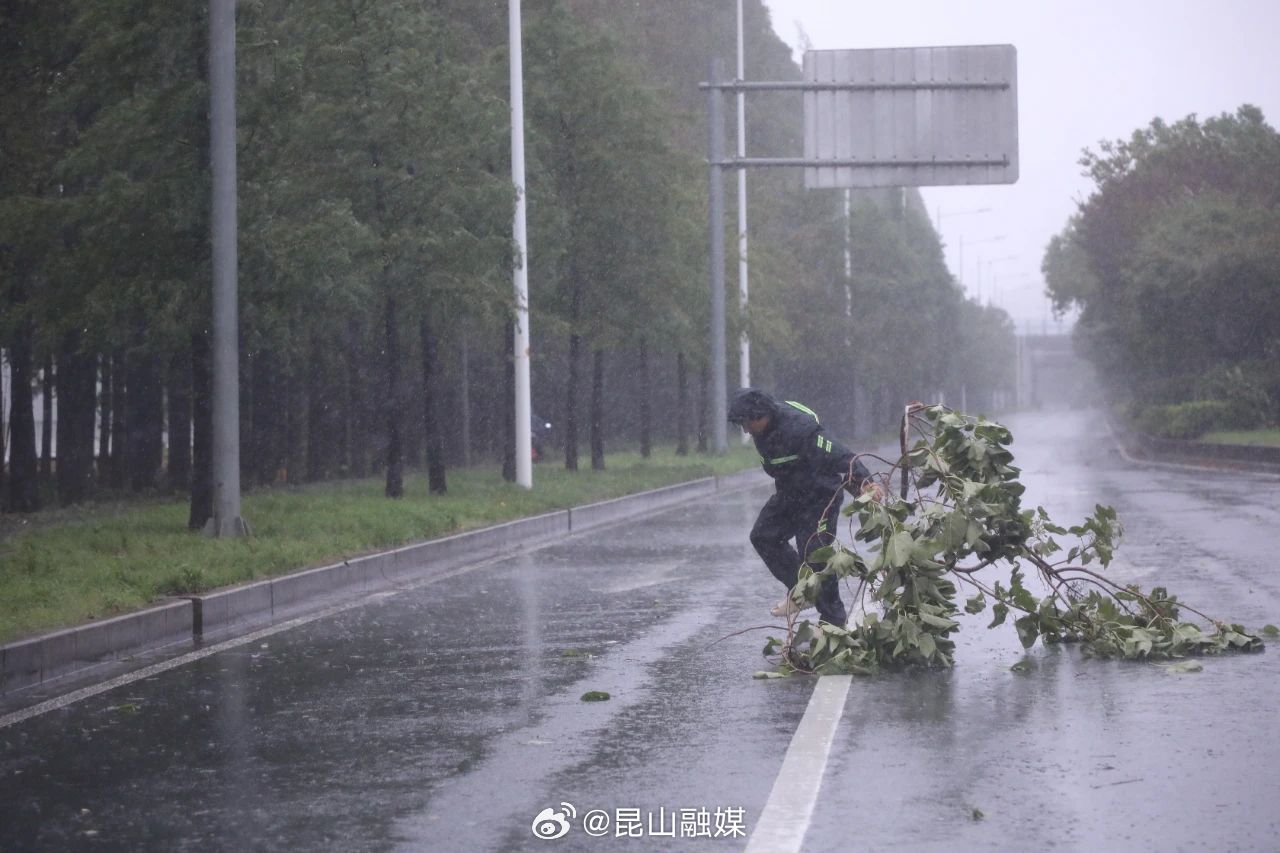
520,275
226,520
744,359
960,260
990,263
715,226
996,239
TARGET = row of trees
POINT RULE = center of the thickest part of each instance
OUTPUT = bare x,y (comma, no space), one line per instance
1174,261
375,247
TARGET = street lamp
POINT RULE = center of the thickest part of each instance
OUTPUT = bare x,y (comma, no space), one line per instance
995,239
941,215
990,263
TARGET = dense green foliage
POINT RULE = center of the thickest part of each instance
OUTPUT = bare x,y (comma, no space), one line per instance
1174,261
962,502
375,250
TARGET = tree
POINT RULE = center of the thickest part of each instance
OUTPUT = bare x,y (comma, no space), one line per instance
1172,257
605,164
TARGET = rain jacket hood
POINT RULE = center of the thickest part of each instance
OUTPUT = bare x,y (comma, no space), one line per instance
751,403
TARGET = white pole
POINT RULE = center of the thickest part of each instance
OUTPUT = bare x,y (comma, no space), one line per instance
744,365
520,347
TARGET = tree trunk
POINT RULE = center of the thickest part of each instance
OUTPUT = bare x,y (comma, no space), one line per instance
507,406
46,424
319,431
704,402
76,411
597,410
104,420
357,455
436,482
264,406
24,491
202,430
293,452
571,403
682,405
646,425
464,405
145,401
395,460
3,458
119,425
179,470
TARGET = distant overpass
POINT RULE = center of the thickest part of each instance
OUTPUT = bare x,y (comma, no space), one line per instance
1049,373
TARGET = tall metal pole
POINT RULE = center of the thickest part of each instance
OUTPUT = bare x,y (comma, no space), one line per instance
520,345
744,357
715,216
226,520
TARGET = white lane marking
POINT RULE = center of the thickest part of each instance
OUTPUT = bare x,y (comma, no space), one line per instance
789,809
191,657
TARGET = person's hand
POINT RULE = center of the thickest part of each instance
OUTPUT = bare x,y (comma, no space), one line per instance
873,490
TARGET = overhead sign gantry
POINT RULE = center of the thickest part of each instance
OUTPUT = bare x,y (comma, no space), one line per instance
887,117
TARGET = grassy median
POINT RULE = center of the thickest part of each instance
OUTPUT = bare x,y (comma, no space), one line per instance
1254,437
67,567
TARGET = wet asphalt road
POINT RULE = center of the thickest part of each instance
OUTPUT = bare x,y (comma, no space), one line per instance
447,716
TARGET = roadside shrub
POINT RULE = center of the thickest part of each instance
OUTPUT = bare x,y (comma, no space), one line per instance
1191,420
1244,386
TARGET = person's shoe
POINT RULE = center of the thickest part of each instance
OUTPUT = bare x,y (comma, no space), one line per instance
788,608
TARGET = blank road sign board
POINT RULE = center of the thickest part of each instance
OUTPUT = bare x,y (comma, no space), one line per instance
915,116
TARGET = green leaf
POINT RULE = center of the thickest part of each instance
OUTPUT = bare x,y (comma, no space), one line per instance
999,610
763,674
1270,630
821,555
938,621
1028,629
595,696
899,549
976,604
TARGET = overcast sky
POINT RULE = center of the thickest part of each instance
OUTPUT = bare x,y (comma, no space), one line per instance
1087,70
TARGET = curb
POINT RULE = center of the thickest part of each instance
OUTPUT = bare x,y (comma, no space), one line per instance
196,620
1148,449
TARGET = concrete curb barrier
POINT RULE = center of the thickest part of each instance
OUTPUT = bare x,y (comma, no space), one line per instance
244,608
199,619
743,480
1199,454
605,512
40,659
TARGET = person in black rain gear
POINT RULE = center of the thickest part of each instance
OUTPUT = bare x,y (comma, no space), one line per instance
809,470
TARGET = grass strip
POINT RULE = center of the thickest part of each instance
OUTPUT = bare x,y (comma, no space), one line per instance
64,568
1252,437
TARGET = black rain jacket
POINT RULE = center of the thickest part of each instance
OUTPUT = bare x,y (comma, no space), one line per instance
804,462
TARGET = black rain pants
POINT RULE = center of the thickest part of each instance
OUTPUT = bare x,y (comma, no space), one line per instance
811,524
